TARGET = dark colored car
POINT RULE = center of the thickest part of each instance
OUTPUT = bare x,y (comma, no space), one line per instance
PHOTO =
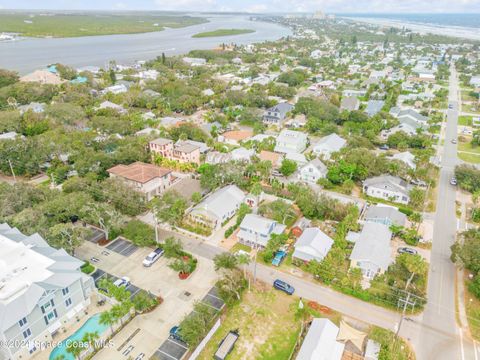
283,286
406,250
175,333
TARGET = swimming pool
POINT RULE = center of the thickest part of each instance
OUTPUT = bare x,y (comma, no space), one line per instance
91,325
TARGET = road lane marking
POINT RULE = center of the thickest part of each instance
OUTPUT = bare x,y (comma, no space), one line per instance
440,290
475,349
462,350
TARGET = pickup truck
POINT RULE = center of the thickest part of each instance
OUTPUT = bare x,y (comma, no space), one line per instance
279,256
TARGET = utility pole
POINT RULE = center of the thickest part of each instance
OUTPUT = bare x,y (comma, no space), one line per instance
406,302
13,172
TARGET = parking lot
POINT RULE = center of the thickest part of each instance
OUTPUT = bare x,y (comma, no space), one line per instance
99,274
172,349
147,332
122,247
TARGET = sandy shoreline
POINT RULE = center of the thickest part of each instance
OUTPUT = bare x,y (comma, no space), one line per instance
454,31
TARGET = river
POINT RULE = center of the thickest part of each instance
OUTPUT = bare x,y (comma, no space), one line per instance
28,54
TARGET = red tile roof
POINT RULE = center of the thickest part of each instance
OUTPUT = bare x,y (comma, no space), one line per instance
139,172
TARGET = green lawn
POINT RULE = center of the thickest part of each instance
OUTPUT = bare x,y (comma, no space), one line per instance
223,32
472,308
467,152
465,120
89,25
266,323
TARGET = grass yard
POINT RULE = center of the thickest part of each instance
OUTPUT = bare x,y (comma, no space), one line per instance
73,25
467,152
223,32
472,308
465,120
266,323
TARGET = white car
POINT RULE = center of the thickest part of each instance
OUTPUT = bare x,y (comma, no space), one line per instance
122,282
152,257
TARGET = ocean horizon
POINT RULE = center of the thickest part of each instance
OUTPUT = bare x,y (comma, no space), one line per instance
458,20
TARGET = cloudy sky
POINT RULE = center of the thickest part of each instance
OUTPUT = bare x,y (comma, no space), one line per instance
338,6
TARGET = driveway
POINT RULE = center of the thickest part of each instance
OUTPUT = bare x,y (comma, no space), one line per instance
146,332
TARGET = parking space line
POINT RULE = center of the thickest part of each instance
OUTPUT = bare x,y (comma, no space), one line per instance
170,356
178,343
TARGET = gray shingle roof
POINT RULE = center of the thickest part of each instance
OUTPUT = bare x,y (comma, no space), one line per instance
373,245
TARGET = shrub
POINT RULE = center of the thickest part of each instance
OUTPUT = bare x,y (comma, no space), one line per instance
87,268
139,233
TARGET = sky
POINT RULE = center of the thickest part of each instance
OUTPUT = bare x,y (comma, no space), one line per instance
256,6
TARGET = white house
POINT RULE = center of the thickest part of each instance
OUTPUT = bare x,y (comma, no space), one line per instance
321,343
313,244
372,252
328,145
387,187
291,141
313,171
255,230
407,158
218,207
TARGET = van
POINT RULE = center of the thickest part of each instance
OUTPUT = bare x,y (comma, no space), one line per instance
152,257
226,345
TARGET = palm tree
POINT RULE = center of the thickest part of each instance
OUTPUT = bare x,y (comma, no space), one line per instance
107,318
75,349
243,259
91,338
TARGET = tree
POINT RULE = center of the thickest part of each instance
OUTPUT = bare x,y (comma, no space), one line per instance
7,77
226,261
91,338
467,254
103,215
288,167
107,318
414,264
112,76
417,197
172,247
231,286
194,327
170,207
75,349
196,197
66,236
139,233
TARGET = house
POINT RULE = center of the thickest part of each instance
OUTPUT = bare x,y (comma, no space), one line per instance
115,89
242,154
351,92
274,158
405,128
11,135
194,61
386,215
328,145
313,244
407,116
182,151
35,107
300,159
387,187
475,81
235,137
216,157
407,158
147,131
299,226
108,105
350,103
291,141
201,145
42,77
42,291
277,114
372,252
313,171
321,343
255,230
148,179
374,107
217,208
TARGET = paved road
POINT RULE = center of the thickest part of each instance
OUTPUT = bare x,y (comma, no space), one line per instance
434,334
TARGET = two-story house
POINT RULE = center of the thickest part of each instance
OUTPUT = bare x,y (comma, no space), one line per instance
277,114
42,291
182,151
255,230
148,179
387,187
289,141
